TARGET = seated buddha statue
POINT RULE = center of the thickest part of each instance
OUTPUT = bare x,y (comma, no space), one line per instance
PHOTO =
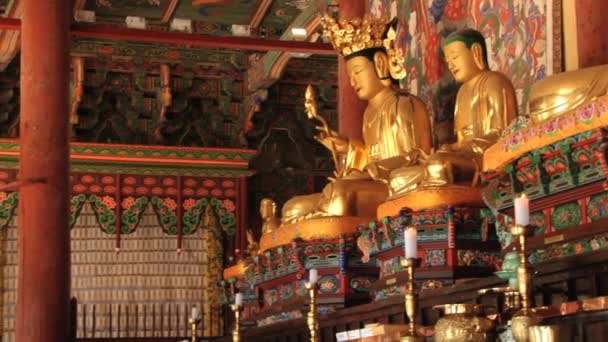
268,212
561,93
485,105
396,128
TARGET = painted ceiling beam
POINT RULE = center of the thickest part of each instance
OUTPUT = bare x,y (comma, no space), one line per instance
175,38
260,13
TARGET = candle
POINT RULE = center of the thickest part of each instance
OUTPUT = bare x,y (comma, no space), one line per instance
522,210
195,313
410,243
238,299
313,276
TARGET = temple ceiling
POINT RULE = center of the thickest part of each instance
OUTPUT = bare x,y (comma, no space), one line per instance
213,99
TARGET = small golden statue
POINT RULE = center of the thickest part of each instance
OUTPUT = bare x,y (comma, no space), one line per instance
396,128
77,88
268,212
485,105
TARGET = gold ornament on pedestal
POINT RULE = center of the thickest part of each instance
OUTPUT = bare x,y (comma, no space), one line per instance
268,212
463,322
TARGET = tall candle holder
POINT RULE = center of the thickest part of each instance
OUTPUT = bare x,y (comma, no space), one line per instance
194,321
236,332
525,317
411,299
312,320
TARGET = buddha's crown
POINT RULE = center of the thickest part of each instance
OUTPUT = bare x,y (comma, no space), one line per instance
349,37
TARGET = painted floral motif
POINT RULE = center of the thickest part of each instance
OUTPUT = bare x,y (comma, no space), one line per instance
192,217
106,216
467,257
286,291
361,284
434,258
537,219
166,217
229,205
271,296
301,290
170,203
597,208
76,204
280,317
566,215
389,292
328,285
188,204
127,202
7,207
390,267
131,217
558,251
109,202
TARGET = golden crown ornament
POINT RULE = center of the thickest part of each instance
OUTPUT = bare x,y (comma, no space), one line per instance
358,34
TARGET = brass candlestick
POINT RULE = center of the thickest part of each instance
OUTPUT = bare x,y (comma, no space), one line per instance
524,318
312,321
194,321
411,299
236,332
523,271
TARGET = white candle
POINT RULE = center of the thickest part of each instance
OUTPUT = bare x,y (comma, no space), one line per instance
313,276
522,210
410,243
238,299
195,313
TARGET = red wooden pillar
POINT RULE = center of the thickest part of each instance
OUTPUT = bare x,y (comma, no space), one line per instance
350,108
43,293
243,217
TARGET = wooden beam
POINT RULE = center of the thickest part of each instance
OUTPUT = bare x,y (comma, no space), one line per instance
260,13
169,10
174,38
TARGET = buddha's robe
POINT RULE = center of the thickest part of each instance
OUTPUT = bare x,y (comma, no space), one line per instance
562,93
386,162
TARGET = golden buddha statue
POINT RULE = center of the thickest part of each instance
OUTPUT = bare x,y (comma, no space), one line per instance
564,92
396,128
268,212
485,105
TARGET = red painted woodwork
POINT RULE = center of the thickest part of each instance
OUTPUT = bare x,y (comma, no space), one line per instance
592,37
196,40
350,108
43,293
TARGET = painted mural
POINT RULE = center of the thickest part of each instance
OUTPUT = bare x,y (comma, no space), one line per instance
518,33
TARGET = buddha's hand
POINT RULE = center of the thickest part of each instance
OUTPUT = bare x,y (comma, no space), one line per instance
331,139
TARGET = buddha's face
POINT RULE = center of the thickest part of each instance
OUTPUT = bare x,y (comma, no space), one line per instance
363,77
461,61
267,208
